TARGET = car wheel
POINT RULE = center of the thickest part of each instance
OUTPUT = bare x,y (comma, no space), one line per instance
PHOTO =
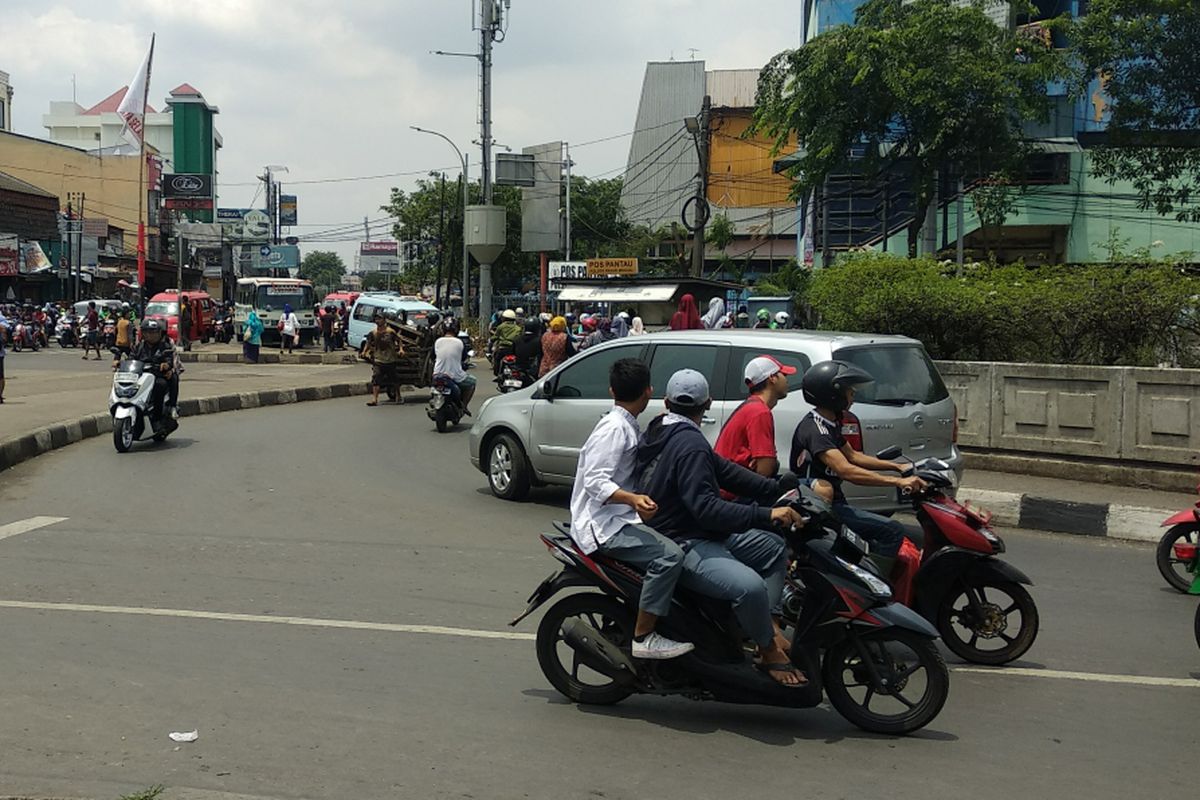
507,468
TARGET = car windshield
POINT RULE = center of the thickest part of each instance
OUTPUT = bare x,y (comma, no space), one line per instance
162,308
904,375
299,298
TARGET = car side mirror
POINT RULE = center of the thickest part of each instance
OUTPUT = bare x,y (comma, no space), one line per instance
548,390
890,453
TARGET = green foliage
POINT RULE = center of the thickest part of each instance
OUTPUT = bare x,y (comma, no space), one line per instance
719,233
928,81
599,227
325,269
1147,56
1109,315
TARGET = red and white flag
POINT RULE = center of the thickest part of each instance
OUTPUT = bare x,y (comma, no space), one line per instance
133,107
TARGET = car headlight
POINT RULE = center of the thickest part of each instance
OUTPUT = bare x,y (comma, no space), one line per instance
877,585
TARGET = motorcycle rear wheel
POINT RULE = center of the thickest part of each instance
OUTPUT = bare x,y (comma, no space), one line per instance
1164,556
1198,626
443,424
954,617
884,648
605,615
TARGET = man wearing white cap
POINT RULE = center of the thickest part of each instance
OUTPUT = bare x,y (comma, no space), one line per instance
748,438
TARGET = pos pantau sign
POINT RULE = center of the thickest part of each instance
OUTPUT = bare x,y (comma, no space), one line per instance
604,267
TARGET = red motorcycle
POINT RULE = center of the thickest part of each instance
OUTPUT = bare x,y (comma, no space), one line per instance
1179,565
978,602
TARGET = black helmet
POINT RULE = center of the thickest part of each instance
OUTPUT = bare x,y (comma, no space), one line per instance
451,325
825,384
151,325
533,325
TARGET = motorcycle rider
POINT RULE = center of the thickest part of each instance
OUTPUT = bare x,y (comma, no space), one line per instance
448,360
154,350
528,349
727,553
607,516
506,334
819,450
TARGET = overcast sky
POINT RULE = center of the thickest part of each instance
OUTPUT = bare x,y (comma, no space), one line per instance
330,88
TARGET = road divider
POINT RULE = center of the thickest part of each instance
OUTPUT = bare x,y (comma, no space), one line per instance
473,633
1105,520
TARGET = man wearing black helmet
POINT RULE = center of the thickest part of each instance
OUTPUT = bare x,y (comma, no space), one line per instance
155,351
819,450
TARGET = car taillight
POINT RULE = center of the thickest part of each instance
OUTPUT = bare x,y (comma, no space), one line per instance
852,431
1186,551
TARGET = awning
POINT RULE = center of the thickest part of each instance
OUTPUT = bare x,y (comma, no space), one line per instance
618,294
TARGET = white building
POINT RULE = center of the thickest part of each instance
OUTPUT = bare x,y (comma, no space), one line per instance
6,93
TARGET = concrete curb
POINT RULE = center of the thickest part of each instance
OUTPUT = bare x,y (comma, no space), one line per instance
1107,520
270,358
18,449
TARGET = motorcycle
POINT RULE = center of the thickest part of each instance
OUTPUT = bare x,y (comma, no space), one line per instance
512,377
23,336
131,406
108,333
875,660
223,330
67,332
1189,553
445,403
954,579
1184,529
468,349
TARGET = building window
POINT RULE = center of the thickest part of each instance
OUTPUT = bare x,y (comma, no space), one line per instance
3,116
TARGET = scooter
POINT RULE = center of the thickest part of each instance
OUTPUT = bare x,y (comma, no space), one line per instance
67,331
23,337
131,406
875,660
445,403
109,333
978,602
512,378
1189,553
1177,570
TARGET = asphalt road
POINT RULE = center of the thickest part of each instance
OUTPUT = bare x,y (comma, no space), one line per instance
369,518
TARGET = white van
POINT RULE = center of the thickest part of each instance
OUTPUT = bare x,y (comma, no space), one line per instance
362,318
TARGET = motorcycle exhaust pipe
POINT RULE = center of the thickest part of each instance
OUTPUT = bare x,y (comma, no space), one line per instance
597,652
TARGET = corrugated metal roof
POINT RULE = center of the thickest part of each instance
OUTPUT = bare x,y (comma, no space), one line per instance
661,171
733,88
10,184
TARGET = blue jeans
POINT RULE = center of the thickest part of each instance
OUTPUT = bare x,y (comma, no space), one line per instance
746,569
885,535
660,558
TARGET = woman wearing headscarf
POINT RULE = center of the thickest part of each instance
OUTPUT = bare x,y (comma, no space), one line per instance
637,328
620,326
602,334
252,337
716,310
289,328
687,318
556,346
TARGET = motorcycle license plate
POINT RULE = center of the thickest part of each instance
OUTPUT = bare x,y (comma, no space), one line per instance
512,383
127,377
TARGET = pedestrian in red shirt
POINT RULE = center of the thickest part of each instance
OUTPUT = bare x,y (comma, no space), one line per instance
748,438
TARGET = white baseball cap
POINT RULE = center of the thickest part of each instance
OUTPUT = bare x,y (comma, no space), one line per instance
763,367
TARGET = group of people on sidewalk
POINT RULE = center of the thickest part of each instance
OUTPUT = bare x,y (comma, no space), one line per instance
692,515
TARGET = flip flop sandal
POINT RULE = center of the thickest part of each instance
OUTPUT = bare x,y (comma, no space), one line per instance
372,405
783,666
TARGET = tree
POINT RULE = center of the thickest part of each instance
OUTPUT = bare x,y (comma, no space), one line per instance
1146,54
927,82
323,268
599,227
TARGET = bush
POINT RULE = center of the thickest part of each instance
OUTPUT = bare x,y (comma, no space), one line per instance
1096,314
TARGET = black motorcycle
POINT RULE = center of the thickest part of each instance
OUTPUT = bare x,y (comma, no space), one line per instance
875,660
445,403
513,376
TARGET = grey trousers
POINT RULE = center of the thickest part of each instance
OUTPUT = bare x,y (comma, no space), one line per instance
662,560
747,569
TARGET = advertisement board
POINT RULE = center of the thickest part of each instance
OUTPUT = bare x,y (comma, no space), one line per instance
252,258
9,254
605,267
559,270
187,185
287,210
381,256
244,224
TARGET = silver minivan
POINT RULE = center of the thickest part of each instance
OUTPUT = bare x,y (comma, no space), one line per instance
532,437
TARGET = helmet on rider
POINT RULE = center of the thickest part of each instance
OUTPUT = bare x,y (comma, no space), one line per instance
782,319
451,326
825,384
152,330
533,325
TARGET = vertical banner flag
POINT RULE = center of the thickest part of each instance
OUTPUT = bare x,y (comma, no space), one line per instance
133,108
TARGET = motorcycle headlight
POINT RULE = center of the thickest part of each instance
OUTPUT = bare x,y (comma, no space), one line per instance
126,391
878,587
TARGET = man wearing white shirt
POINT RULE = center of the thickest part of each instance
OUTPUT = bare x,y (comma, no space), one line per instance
607,517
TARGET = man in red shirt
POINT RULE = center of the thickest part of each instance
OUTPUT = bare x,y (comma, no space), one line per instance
748,438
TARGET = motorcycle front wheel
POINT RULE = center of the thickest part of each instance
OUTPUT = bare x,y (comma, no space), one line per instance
1174,570
976,621
913,682
123,434
562,666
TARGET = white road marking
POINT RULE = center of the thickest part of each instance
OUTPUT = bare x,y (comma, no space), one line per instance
307,622
470,633
27,525
1091,677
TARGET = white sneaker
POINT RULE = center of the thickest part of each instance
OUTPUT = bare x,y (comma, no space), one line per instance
659,648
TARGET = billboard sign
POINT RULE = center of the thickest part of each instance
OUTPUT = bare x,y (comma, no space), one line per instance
187,185
542,200
244,224
379,248
565,270
10,254
383,256
287,210
96,227
259,258
605,267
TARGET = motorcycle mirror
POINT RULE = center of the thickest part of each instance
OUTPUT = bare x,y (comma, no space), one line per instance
890,453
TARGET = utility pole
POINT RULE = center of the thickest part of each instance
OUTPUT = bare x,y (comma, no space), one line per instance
489,29
960,224
466,255
568,164
70,248
701,190
437,286
79,249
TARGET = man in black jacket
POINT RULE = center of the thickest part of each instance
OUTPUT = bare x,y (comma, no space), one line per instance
727,554
155,351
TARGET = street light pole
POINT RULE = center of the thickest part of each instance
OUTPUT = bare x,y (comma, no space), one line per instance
466,279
